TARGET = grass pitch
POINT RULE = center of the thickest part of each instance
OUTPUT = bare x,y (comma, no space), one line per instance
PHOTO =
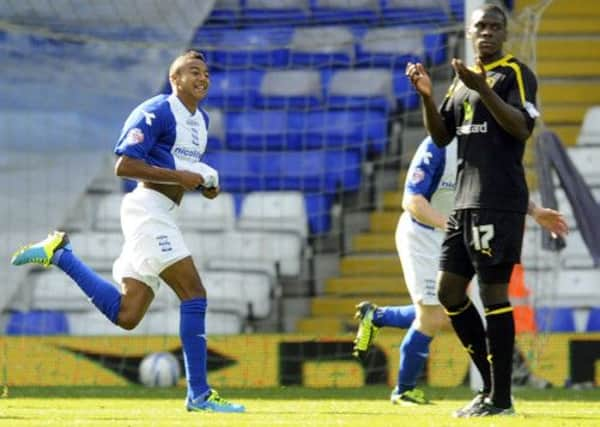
294,406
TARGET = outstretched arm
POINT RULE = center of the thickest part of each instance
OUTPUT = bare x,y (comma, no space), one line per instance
551,220
431,116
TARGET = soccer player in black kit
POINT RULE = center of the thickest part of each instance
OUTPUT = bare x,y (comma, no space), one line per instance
491,109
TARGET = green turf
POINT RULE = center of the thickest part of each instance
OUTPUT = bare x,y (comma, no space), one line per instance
293,406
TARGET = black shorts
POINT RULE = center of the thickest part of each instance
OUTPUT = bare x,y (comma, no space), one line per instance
483,242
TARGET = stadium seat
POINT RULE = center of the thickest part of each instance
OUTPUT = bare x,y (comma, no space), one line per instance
216,130
284,12
370,90
590,129
274,211
407,97
224,12
356,129
413,11
307,171
108,213
322,47
233,90
198,213
254,291
593,322
318,207
244,249
37,323
390,47
248,47
576,254
97,249
587,159
291,89
344,11
261,130
555,319
54,290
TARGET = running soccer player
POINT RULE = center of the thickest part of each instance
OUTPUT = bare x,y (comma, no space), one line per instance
428,199
491,109
161,145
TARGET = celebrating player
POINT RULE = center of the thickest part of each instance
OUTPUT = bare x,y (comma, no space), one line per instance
161,144
428,200
491,109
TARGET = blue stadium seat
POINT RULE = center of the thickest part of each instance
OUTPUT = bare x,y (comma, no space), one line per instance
555,319
413,11
344,11
307,171
216,130
290,89
458,9
363,130
261,130
286,12
233,90
323,46
248,47
38,323
593,321
407,97
318,209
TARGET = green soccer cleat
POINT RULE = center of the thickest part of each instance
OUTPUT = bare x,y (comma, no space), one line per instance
41,252
367,331
212,403
409,397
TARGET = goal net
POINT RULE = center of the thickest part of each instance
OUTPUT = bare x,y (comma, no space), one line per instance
312,125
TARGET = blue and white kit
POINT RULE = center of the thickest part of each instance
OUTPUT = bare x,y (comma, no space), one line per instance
431,174
163,133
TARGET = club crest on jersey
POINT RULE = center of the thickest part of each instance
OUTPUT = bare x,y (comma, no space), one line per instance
134,136
417,176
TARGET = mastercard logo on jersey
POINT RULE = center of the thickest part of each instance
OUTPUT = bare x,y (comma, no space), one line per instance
134,136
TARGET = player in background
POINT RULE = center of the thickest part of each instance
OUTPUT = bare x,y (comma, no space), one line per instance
491,109
160,146
428,199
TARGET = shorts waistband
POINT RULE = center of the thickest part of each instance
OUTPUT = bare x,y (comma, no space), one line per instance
420,224
154,197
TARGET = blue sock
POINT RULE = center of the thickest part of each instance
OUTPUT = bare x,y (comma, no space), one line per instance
414,351
397,317
193,341
103,294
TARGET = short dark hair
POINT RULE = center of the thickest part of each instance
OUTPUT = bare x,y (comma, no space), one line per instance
491,7
188,54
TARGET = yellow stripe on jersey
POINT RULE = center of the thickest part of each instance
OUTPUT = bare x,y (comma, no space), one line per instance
504,62
499,311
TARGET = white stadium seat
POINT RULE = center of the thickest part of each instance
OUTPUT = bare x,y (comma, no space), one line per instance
274,211
97,249
201,214
590,129
108,212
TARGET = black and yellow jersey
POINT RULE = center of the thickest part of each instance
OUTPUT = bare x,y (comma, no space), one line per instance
490,173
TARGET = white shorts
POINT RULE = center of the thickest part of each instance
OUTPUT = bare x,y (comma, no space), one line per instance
419,249
153,241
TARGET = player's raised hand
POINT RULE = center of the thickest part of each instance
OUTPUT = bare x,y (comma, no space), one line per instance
418,76
551,220
210,193
189,180
474,80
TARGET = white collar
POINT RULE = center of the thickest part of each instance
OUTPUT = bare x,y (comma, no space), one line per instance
181,110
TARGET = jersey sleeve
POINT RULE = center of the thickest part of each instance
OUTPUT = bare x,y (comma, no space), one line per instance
425,169
522,92
139,134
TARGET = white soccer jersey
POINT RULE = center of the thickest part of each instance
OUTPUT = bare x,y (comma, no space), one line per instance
432,174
